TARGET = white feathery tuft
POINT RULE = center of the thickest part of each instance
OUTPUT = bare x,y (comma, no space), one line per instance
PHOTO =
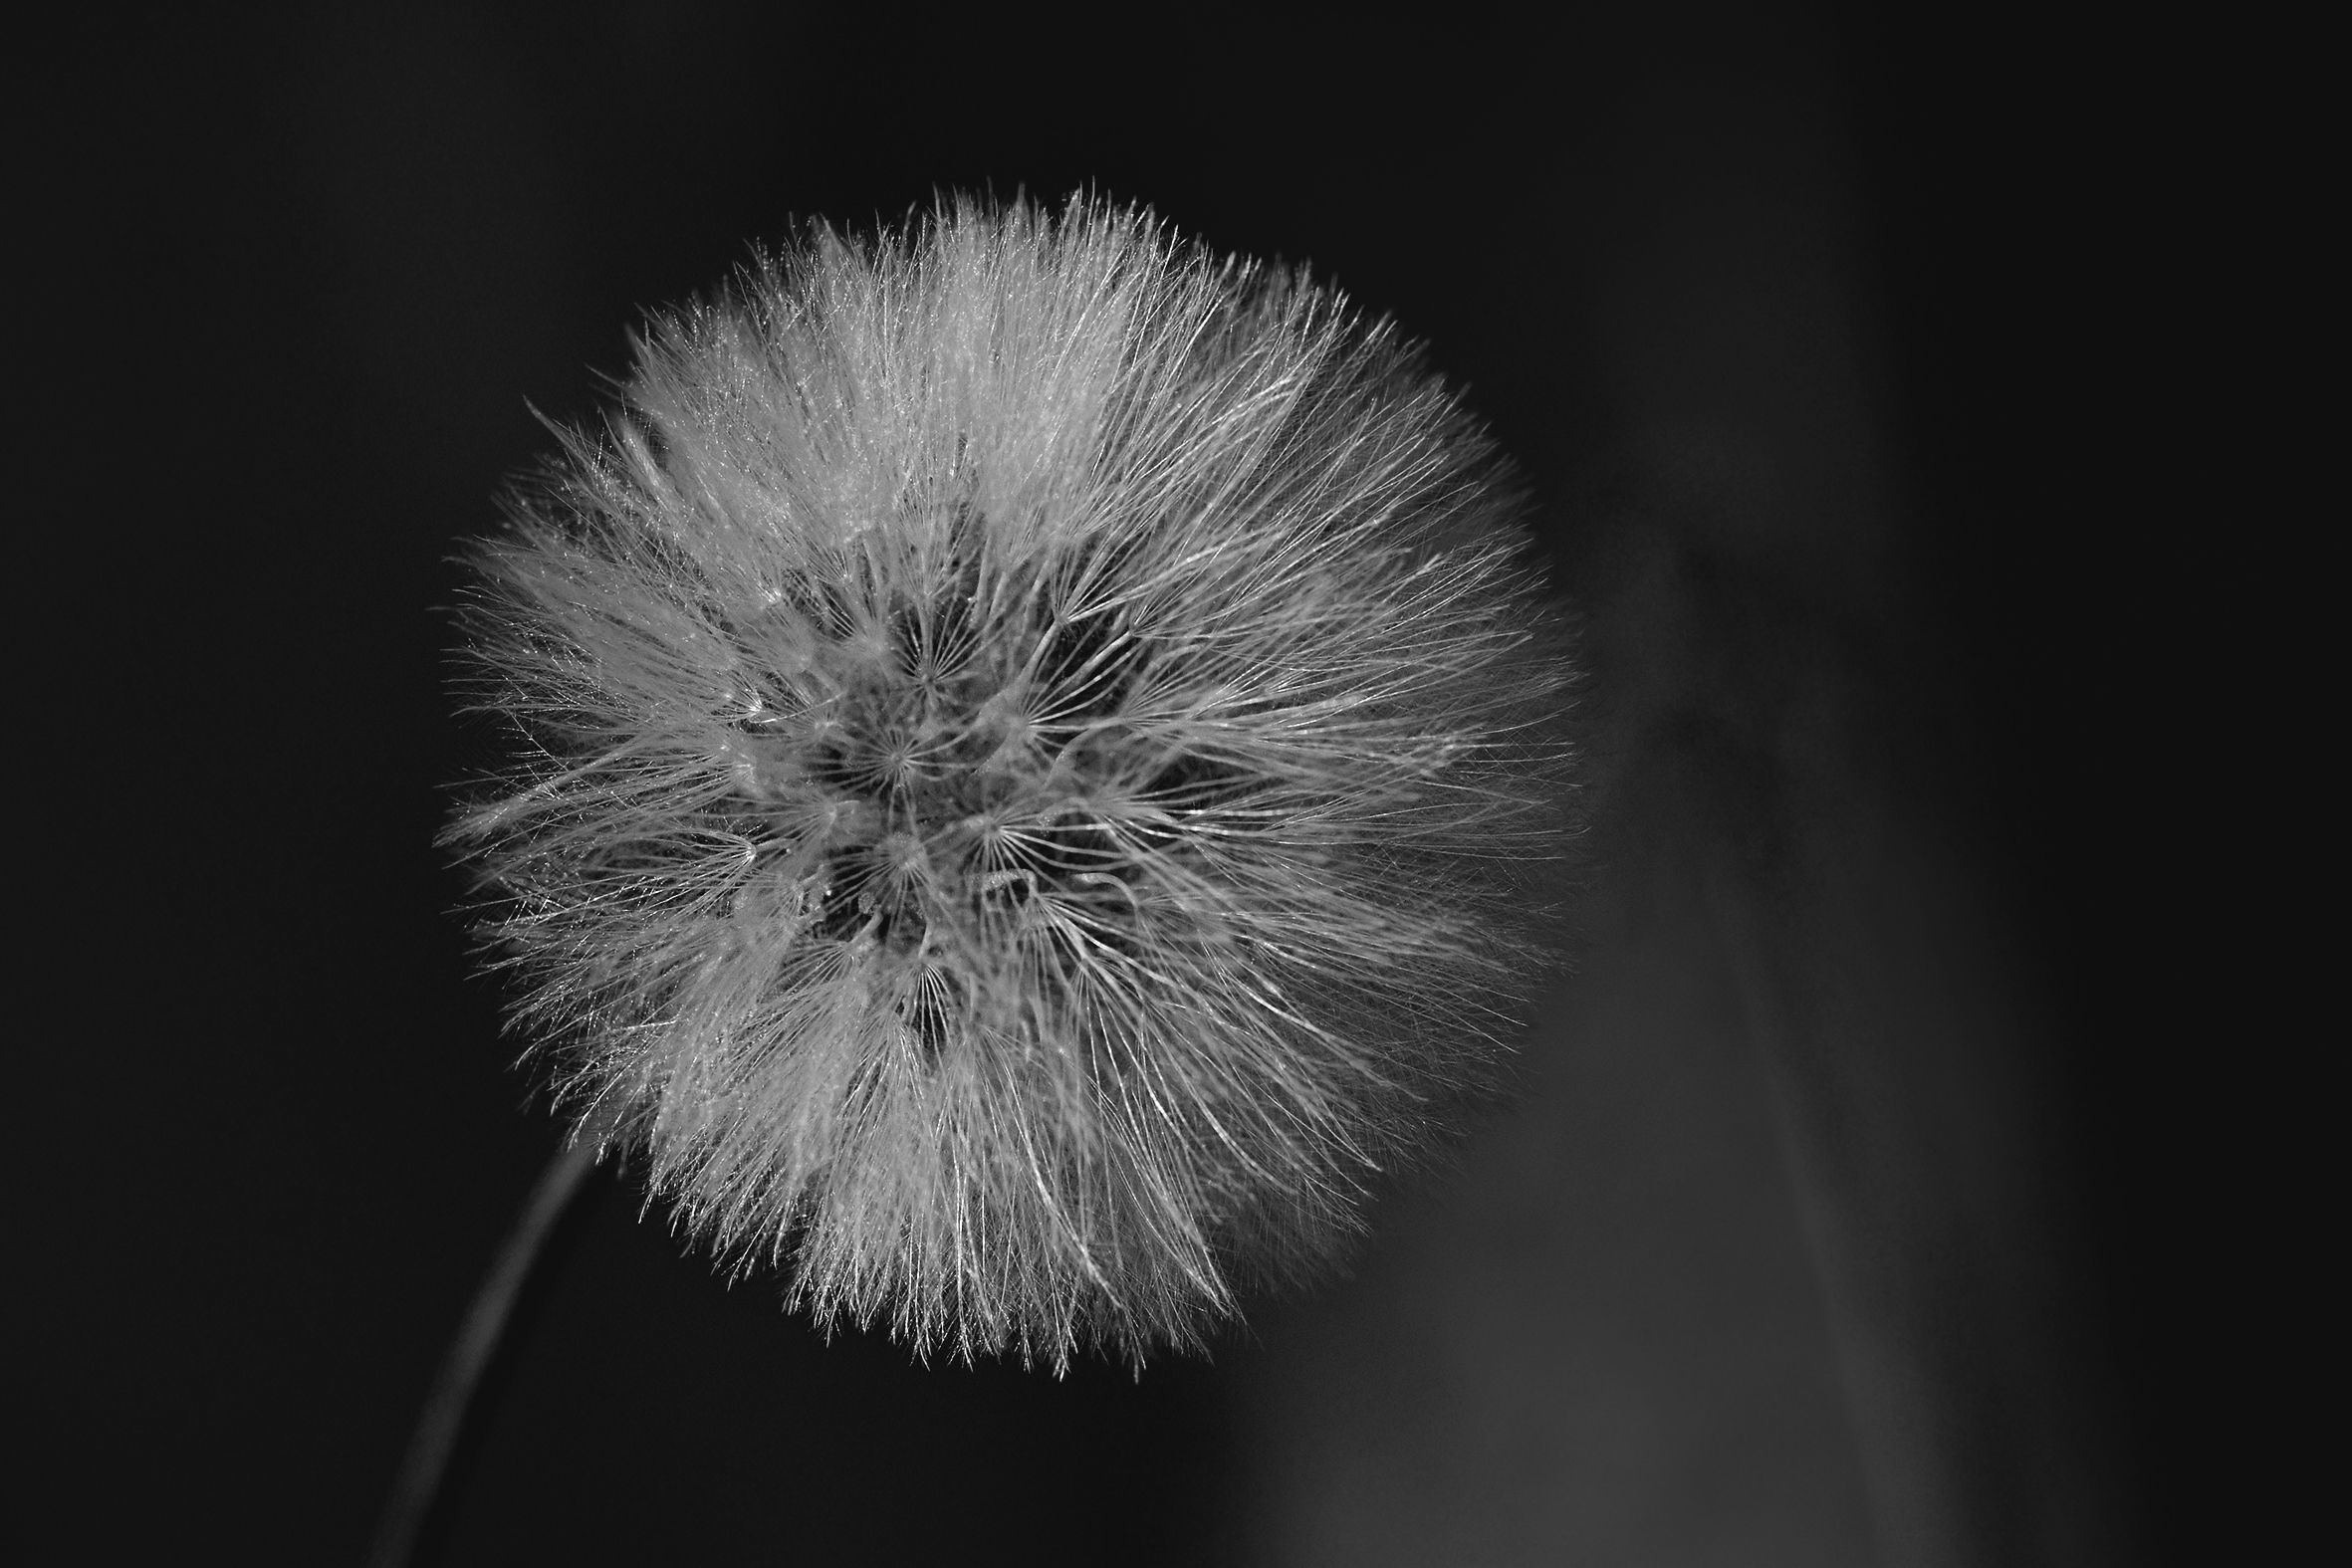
1042,757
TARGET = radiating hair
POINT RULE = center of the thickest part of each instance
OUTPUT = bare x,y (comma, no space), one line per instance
1039,753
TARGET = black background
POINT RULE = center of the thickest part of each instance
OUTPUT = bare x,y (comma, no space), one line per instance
1798,321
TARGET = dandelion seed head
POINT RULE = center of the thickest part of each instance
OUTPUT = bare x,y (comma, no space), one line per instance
1037,755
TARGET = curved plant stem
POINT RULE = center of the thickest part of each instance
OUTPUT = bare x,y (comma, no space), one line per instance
445,1410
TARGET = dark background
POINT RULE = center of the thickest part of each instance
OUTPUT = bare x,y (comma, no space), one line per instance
1833,1228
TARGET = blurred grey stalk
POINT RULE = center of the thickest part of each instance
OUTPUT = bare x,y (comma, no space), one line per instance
1772,1265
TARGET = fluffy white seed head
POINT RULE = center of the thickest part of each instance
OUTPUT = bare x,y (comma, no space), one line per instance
1039,752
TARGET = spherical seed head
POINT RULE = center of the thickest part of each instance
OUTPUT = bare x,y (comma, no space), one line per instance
1040,753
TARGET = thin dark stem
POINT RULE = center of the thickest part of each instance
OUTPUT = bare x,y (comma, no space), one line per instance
444,1415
